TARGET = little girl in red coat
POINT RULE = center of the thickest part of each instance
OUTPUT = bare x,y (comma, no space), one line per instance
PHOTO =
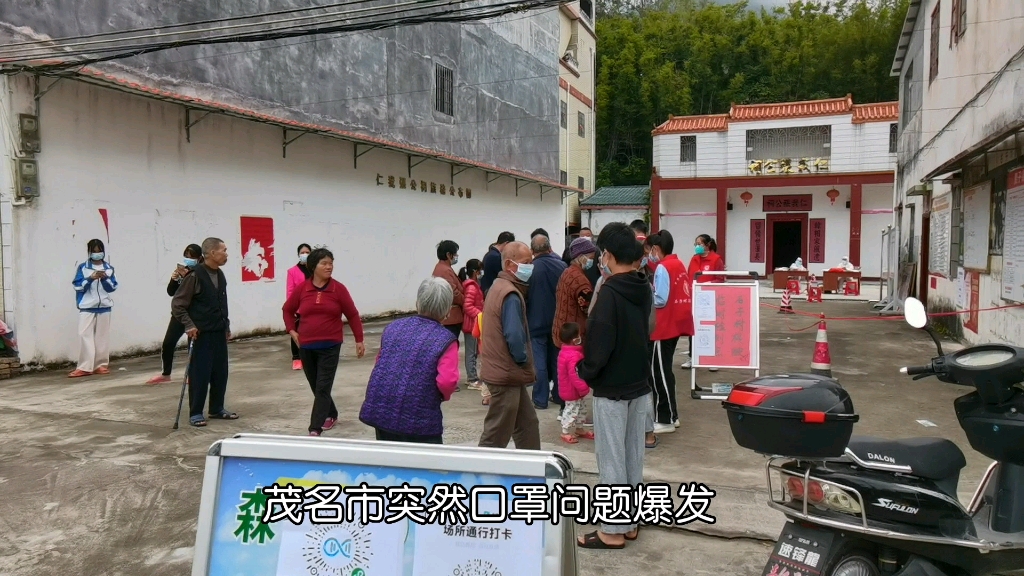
571,388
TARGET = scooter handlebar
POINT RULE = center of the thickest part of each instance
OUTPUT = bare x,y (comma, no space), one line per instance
915,370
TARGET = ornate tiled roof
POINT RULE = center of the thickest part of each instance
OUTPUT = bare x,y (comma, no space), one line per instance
879,112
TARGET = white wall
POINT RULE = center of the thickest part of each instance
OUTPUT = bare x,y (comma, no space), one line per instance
688,213
104,149
855,148
837,226
874,197
597,219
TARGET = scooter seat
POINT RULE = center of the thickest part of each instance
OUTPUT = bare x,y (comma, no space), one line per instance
931,458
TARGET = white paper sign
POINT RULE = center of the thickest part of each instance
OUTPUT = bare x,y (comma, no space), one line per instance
704,341
961,292
704,306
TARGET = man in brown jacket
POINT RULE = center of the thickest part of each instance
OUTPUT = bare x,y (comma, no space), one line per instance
448,256
506,357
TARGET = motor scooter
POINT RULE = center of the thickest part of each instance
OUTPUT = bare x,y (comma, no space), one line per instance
864,506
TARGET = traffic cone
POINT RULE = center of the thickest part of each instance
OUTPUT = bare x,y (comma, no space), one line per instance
786,307
821,364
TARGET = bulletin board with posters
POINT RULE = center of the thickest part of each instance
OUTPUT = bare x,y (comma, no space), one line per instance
1013,238
726,321
343,478
977,212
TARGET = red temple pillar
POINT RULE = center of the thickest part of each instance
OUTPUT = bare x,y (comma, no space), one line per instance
855,217
720,215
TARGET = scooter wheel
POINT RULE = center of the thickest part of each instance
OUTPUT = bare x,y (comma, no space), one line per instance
855,564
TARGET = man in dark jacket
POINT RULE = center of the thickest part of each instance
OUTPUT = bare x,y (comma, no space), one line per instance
594,272
201,304
492,260
615,366
540,311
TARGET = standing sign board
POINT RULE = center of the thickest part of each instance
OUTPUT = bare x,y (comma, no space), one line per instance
726,321
305,506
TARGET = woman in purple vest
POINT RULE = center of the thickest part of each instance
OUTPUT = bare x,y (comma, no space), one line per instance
416,370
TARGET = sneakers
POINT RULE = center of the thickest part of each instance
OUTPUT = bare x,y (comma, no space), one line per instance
296,364
687,365
676,423
663,428
329,423
158,379
314,433
712,369
474,385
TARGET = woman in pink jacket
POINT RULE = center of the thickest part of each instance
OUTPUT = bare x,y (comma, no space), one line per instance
571,387
472,306
297,275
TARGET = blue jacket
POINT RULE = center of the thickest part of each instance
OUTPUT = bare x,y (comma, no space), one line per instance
94,295
492,265
540,303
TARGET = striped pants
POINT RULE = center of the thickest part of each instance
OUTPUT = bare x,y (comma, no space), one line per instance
665,410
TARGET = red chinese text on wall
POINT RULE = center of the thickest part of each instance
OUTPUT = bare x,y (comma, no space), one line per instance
974,281
757,241
783,203
816,248
257,248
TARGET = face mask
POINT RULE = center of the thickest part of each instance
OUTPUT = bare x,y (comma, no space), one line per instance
654,259
588,264
455,260
303,258
97,256
698,250
605,270
190,262
524,271
643,262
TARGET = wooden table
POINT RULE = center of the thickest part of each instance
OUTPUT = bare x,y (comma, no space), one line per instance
830,280
781,277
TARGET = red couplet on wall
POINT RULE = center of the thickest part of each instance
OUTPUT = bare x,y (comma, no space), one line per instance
816,246
757,240
257,248
972,317
732,326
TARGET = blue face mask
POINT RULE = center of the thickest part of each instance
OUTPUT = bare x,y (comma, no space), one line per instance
190,262
97,256
654,259
303,258
589,264
643,262
698,250
524,271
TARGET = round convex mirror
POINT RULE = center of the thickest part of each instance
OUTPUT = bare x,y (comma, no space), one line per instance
914,313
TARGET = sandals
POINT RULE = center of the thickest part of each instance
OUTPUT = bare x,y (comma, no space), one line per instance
626,536
585,434
224,415
594,542
79,373
655,445
570,439
197,420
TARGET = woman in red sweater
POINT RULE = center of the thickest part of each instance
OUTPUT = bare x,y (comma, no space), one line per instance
705,259
321,301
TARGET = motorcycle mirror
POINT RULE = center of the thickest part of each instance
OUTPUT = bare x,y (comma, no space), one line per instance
914,313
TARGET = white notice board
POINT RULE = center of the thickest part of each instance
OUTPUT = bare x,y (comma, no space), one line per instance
1013,238
977,217
941,223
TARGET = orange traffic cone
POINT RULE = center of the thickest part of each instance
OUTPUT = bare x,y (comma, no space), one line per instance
787,307
821,364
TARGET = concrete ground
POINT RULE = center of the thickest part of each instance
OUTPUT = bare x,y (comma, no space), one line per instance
94,481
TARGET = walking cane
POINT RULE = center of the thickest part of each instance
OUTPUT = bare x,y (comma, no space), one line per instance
184,384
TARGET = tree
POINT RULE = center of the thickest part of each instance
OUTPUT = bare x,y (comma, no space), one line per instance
683,57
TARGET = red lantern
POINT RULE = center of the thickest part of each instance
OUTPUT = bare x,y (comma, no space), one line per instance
746,197
832,195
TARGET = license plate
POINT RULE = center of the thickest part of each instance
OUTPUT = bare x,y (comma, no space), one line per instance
799,551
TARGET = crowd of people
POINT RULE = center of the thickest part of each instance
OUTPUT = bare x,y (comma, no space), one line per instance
601,321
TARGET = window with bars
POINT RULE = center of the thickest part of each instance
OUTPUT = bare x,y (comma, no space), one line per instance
444,89
687,148
580,183
798,142
959,22
565,114
564,178
894,136
933,70
581,120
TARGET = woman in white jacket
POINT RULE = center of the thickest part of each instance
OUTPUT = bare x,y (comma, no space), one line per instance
94,282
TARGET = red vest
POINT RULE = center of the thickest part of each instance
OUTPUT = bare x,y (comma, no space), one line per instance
676,318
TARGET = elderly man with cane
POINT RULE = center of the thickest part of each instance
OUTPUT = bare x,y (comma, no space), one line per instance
201,304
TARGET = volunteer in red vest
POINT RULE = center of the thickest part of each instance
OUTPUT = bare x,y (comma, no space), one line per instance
705,259
674,318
